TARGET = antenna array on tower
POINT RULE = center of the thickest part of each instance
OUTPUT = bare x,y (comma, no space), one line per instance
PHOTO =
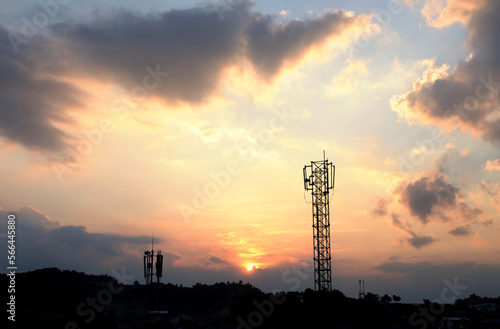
149,261
362,289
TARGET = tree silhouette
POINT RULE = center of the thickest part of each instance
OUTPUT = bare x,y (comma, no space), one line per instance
386,299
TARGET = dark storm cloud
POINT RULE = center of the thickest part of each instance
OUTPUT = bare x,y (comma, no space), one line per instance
469,95
427,193
179,55
31,100
461,231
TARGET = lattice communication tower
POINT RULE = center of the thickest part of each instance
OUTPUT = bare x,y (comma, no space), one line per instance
319,177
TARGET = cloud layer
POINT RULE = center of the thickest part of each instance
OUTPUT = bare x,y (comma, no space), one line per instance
467,96
41,242
175,56
428,193
32,101
417,240
430,197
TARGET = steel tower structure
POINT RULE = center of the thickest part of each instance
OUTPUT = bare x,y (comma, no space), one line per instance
319,177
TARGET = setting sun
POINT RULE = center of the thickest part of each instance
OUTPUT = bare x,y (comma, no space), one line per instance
250,267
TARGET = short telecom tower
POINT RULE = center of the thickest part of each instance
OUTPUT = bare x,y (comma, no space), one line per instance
319,177
149,273
362,289
149,260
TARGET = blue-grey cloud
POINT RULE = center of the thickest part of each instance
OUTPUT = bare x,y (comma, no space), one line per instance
488,222
424,268
33,101
417,240
194,45
461,231
175,56
215,261
492,189
436,280
427,193
472,214
468,96
380,209
42,242
432,196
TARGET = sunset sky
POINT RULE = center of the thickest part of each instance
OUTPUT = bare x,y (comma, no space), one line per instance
192,121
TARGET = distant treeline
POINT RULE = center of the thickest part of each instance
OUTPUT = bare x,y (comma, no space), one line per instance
51,298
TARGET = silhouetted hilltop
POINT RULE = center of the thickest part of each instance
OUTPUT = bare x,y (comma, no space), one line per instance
51,298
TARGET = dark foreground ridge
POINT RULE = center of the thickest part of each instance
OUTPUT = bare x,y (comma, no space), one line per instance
51,298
